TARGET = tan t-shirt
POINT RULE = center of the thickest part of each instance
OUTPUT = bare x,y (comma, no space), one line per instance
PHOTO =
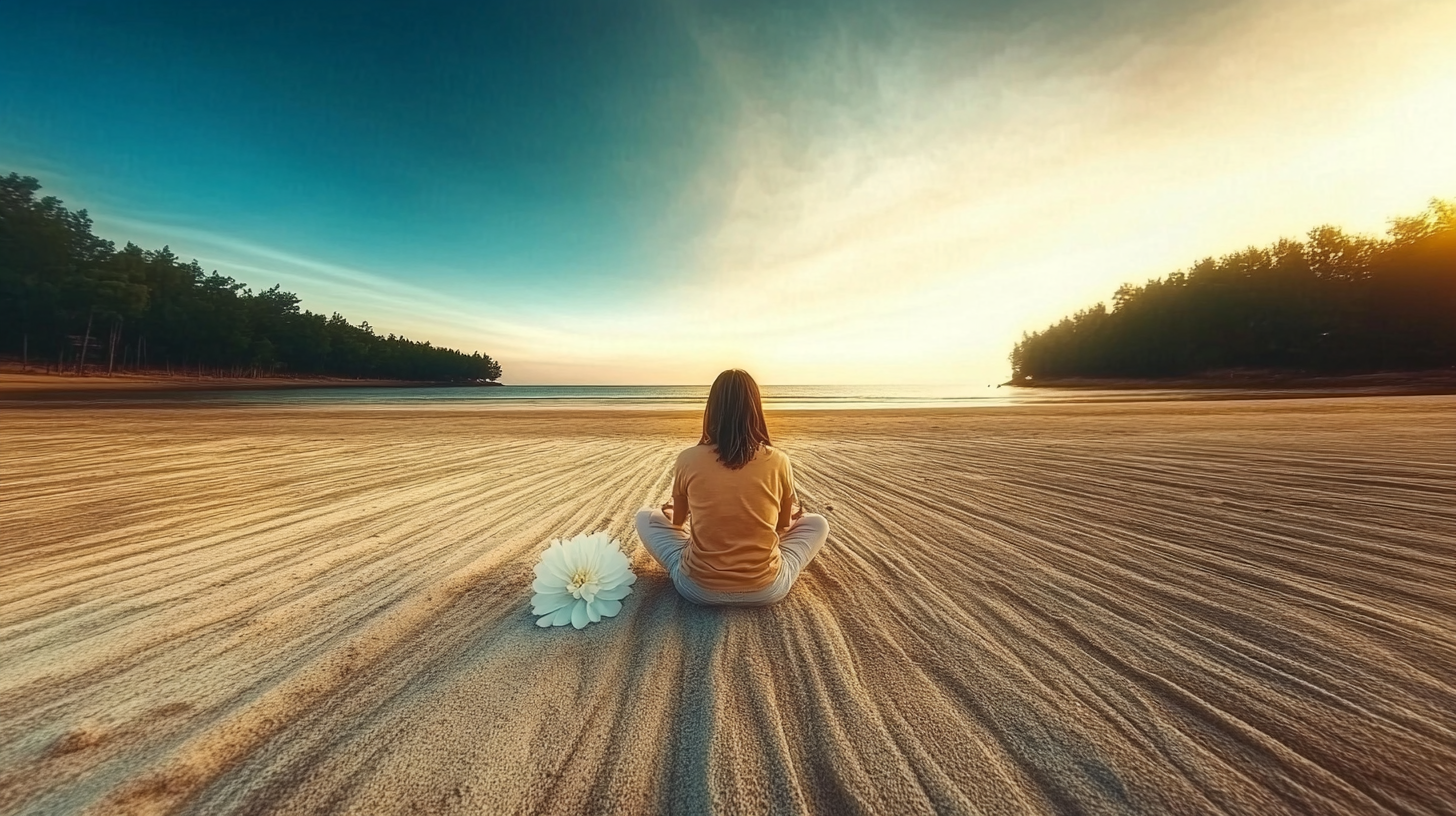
733,516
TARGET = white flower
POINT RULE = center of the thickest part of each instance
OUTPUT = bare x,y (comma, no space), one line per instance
581,581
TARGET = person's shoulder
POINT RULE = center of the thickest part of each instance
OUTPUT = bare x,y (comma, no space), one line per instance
775,457
695,454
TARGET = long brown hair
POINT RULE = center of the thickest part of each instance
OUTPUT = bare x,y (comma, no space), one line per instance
733,420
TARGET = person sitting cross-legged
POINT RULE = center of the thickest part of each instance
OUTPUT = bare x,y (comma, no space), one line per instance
731,534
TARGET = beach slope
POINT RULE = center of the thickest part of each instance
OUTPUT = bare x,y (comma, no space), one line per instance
1241,607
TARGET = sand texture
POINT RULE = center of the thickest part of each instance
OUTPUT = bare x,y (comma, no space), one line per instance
1242,607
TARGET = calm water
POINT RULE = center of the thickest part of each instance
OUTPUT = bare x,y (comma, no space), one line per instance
665,396
776,397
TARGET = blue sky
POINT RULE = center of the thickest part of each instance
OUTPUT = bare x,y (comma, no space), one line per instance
650,192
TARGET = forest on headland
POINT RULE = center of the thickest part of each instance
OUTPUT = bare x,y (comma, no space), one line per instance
1335,303
71,301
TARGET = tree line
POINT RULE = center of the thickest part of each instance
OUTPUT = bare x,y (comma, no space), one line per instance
72,302
1334,303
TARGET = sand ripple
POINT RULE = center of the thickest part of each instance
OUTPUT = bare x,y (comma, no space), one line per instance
1240,607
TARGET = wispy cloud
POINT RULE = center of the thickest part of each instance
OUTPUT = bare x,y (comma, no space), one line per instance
389,304
886,209
901,207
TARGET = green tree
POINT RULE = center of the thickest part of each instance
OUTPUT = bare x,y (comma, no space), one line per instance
1332,303
71,297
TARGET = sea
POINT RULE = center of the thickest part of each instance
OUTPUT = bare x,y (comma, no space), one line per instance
587,397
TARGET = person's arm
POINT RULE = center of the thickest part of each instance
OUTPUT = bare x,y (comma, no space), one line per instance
787,513
676,509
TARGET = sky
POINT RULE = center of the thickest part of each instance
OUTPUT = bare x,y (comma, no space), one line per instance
648,193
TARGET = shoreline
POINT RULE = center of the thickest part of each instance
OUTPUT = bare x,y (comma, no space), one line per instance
246,395
39,387
15,381
1393,383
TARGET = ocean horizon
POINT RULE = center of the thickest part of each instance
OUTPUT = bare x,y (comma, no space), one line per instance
605,397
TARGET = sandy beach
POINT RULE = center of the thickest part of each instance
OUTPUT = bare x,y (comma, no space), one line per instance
1171,607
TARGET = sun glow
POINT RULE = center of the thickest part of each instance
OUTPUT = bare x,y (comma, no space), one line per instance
903,213
918,245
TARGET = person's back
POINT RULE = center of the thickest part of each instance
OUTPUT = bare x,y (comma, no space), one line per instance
734,539
745,545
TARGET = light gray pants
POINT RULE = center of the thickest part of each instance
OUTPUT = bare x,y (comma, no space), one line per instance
797,547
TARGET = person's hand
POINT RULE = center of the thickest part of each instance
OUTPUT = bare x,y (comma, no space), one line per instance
667,510
798,513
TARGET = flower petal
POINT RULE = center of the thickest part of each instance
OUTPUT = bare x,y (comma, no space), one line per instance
561,617
616,593
553,562
608,609
578,615
549,602
592,613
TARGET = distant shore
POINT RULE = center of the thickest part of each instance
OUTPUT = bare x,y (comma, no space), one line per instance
1394,383
15,380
